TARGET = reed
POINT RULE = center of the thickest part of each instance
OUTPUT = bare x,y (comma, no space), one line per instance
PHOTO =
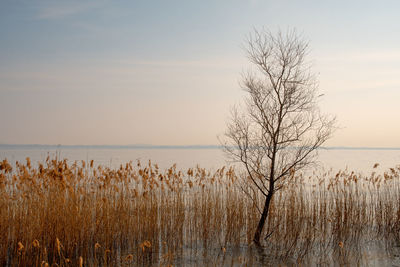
74,214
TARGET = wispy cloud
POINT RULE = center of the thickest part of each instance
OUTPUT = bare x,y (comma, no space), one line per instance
59,9
359,56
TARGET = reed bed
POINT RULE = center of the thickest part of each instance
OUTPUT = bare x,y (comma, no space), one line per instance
58,213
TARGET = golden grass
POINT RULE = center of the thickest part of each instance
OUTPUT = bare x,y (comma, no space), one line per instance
58,214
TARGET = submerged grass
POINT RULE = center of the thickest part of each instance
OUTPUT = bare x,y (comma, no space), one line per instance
61,214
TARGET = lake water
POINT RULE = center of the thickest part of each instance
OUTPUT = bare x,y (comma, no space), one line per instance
211,157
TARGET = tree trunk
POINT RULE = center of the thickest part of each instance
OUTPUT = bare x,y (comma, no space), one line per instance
263,218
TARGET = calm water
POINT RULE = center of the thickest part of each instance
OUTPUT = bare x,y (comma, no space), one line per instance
359,160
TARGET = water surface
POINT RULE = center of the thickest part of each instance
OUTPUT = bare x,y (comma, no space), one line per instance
209,157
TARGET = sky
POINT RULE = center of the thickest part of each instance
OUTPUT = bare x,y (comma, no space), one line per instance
167,72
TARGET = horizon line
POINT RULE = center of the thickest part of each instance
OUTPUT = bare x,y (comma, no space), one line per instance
148,146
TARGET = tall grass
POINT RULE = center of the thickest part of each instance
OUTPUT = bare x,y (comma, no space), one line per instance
61,214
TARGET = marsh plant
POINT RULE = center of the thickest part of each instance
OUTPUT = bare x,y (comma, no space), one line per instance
58,213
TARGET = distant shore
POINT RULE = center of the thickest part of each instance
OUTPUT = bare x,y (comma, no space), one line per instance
145,146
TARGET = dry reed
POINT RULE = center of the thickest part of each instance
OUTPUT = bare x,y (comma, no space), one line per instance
61,214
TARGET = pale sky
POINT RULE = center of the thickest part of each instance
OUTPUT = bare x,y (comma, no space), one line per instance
167,72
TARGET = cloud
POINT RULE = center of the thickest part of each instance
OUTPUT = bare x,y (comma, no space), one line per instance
58,10
361,56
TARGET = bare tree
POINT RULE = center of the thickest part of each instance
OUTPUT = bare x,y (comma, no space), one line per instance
281,126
